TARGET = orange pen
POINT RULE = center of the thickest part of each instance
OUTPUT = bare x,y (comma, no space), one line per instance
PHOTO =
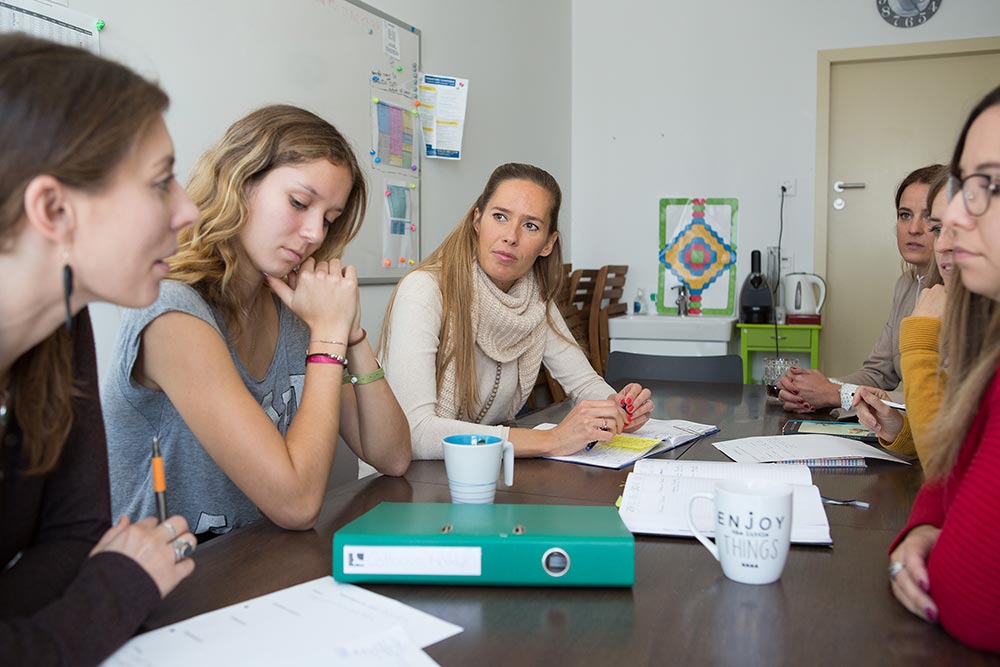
159,481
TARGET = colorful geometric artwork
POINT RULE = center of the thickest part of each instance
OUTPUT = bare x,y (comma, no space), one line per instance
698,251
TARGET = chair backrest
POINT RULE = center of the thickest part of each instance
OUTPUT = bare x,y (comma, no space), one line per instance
609,289
580,289
726,369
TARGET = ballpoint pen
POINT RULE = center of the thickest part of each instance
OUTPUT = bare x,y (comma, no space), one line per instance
159,481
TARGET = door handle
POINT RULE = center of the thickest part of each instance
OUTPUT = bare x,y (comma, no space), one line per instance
840,186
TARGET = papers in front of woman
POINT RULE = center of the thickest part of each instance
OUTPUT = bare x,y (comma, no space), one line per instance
811,449
656,436
657,493
320,622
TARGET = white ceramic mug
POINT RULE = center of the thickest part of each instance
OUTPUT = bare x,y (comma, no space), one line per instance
752,523
473,465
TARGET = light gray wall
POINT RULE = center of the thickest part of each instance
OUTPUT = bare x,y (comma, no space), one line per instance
696,98
516,55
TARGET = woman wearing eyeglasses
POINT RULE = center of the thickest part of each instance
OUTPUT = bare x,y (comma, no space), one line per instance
944,564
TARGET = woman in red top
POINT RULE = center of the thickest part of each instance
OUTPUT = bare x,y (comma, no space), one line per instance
944,564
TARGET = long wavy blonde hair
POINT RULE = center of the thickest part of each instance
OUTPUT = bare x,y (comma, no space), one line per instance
209,256
452,263
970,341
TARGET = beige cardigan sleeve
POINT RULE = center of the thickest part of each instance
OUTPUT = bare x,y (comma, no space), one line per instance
569,366
410,366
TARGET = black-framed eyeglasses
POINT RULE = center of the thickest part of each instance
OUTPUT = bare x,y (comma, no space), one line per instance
977,191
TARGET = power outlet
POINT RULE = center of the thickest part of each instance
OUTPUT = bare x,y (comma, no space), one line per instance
789,185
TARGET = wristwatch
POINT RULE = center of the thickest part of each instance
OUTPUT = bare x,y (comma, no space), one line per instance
847,391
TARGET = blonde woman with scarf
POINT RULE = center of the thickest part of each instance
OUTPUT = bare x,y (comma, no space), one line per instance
467,331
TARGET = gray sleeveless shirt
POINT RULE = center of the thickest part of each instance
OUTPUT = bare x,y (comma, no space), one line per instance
196,487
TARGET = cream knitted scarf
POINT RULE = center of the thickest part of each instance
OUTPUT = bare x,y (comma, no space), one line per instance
507,326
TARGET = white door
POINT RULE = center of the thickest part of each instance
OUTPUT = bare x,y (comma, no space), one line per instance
886,118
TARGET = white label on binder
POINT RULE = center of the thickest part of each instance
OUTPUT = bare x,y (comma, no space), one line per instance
449,561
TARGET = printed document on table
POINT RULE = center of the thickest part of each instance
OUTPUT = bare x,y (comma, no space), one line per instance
319,620
782,448
442,114
54,23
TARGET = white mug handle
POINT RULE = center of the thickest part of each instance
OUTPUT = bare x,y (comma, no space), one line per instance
701,538
508,463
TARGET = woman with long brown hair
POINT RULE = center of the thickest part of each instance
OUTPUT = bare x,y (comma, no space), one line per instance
467,331
253,359
89,210
944,563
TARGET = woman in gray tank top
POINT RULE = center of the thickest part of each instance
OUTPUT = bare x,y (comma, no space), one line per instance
253,360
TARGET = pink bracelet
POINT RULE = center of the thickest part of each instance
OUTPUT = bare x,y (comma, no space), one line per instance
324,358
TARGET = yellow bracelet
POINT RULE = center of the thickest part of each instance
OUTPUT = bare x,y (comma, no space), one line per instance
364,379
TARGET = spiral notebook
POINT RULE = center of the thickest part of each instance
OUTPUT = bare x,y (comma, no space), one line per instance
811,450
655,436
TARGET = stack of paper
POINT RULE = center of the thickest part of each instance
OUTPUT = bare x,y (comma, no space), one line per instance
657,493
320,622
656,436
812,450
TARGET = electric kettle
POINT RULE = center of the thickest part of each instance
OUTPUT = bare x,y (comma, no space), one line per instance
800,297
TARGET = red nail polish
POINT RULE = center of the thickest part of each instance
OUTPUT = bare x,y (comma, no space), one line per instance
629,401
931,615
924,586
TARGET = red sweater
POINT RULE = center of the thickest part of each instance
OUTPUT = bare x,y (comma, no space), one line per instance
964,564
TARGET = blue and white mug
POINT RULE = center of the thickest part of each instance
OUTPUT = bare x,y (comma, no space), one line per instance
473,465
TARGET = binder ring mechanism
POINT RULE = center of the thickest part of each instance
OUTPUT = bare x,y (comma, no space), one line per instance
555,562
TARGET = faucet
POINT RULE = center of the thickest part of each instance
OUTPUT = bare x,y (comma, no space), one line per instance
682,299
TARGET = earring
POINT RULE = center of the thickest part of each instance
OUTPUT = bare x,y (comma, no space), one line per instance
67,275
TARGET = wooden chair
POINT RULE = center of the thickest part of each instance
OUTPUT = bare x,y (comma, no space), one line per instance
609,289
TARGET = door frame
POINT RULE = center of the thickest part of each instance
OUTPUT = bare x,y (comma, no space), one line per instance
825,60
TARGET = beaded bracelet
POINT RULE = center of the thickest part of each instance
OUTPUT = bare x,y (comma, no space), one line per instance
324,358
364,379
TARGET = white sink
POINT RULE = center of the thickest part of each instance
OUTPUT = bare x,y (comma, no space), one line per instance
673,327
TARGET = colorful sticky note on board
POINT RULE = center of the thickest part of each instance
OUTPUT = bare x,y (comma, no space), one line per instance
630,442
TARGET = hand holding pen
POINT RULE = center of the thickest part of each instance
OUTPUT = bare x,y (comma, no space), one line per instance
636,402
159,546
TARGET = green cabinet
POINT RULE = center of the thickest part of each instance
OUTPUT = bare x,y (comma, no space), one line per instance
791,338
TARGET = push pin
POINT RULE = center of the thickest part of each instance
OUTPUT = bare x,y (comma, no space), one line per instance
414,112
375,77
371,152
377,160
387,263
99,26
413,186
416,103
413,228
387,193
412,262
413,167
399,68
402,260
375,100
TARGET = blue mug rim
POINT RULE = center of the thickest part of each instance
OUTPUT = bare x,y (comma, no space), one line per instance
471,439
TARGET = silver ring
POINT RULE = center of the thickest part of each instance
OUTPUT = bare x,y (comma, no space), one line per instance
182,549
605,422
895,568
173,531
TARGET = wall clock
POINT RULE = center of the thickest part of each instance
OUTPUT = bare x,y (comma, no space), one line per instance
907,13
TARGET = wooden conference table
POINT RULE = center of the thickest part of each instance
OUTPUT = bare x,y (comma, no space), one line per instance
831,606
